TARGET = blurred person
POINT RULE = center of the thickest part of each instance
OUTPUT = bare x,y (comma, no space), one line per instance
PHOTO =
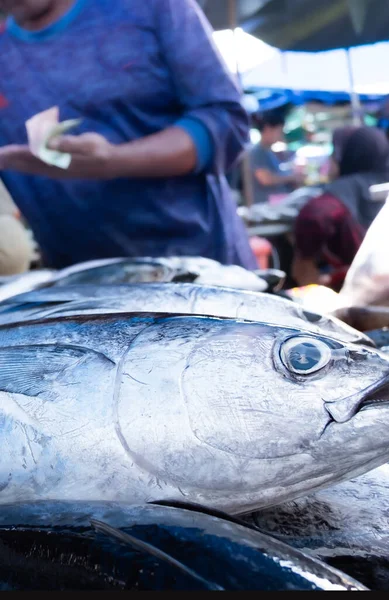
269,178
162,121
340,137
383,116
330,228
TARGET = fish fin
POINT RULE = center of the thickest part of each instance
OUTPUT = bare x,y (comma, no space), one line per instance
199,508
150,549
30,370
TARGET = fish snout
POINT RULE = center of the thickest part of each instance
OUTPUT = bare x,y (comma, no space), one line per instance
375,395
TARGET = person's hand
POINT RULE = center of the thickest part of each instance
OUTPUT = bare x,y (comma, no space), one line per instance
92,158
266,177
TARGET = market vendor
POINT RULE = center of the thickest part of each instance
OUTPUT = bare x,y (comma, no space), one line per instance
269,178
330,228
162,121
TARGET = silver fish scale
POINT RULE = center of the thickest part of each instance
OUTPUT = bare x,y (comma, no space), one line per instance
174,298
136,407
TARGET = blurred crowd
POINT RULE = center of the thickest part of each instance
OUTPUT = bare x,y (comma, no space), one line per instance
156,139
330,226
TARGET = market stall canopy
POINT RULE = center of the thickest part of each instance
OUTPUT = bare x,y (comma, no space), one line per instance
219,11
324,71
273,98
306,25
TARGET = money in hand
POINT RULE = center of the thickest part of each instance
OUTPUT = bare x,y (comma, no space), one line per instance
41,129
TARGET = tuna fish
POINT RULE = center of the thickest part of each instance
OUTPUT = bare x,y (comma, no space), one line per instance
232,414
142,270
345,525
18,284
182,298
59,545
163,270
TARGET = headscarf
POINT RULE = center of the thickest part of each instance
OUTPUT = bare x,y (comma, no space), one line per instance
364,150
339,139
364,161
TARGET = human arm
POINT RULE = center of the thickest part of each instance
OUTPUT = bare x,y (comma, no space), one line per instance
268,178
168,153
266,168
305,271
206,92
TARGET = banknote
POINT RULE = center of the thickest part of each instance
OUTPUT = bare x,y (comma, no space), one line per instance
44,126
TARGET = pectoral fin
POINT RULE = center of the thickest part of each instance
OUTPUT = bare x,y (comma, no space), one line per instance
31,370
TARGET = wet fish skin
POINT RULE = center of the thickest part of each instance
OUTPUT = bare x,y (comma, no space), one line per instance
148,407
345,525
59,538
172,297
115,271
138,270
200,270
18,284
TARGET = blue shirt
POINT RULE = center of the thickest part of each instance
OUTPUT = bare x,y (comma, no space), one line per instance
128,68
265,158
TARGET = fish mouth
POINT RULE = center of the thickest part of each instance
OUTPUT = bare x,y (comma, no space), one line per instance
375,396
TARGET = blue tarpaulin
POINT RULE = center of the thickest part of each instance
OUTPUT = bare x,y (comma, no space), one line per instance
298,77
269,99
325,71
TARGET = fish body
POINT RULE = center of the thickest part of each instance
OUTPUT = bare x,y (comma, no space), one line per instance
60,545
231,414
345,525
18,284
199,270
138,270
184,298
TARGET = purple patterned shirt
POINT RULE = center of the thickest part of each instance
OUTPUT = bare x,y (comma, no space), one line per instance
128,68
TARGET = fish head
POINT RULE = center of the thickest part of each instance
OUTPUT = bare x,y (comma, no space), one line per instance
303,410
332,405
329,381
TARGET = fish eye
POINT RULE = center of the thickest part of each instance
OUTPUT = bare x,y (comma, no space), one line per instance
304,355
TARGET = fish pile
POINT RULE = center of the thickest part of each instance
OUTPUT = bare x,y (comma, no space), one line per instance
179,298
76,546
345,526
202,271
284,212
136,381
